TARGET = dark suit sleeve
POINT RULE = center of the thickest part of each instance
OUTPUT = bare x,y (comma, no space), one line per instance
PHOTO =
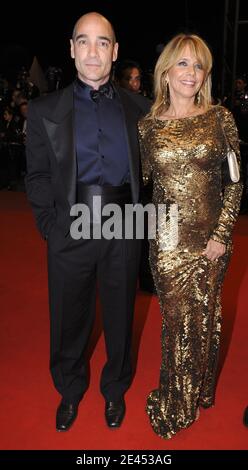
38,179
141,101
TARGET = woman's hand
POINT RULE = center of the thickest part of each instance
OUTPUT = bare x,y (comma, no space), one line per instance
214,250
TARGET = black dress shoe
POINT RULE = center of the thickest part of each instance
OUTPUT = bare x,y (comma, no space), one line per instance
66,415
245,418
115,412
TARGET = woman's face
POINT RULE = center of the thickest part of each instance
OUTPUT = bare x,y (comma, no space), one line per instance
185,78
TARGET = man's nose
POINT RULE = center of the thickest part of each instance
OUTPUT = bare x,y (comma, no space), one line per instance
92,50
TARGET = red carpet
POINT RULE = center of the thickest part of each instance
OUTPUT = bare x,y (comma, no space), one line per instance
28,399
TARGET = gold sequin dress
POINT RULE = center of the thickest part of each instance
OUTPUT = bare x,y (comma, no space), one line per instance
184,158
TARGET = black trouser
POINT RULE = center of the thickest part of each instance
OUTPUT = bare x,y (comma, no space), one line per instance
74,268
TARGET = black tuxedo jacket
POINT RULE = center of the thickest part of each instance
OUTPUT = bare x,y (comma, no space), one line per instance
51,159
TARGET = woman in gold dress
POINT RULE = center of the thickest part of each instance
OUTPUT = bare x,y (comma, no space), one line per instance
183,147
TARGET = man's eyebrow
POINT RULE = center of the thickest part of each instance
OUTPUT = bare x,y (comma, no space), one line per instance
79,36
105,38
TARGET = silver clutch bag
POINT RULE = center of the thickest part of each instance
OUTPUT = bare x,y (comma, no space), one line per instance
233,166
230,166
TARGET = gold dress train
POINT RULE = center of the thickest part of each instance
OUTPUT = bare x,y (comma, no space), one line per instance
184,158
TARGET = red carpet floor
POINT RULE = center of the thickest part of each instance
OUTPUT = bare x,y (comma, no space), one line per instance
28,399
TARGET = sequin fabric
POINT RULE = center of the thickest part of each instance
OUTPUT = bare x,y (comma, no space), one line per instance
183,157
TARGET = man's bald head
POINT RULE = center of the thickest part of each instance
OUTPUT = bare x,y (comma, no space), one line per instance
93,16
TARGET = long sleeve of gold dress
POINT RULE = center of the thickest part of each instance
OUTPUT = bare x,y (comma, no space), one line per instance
184,157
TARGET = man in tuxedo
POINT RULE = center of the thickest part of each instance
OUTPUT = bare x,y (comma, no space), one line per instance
82,142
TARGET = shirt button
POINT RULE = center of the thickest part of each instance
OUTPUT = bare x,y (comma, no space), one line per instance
102,156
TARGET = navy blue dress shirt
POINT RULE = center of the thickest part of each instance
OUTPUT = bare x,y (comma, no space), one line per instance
101,143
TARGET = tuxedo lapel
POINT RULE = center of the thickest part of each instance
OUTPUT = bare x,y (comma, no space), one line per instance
61,135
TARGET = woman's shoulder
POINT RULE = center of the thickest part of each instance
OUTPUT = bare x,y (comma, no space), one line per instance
222,111
145,123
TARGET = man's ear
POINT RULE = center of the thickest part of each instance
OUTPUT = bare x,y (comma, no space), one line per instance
72,49
115,52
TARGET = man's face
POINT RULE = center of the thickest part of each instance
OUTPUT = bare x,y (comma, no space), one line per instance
240,84
131,79
93,49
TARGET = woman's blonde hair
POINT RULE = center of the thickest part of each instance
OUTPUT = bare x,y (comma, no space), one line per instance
168,58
